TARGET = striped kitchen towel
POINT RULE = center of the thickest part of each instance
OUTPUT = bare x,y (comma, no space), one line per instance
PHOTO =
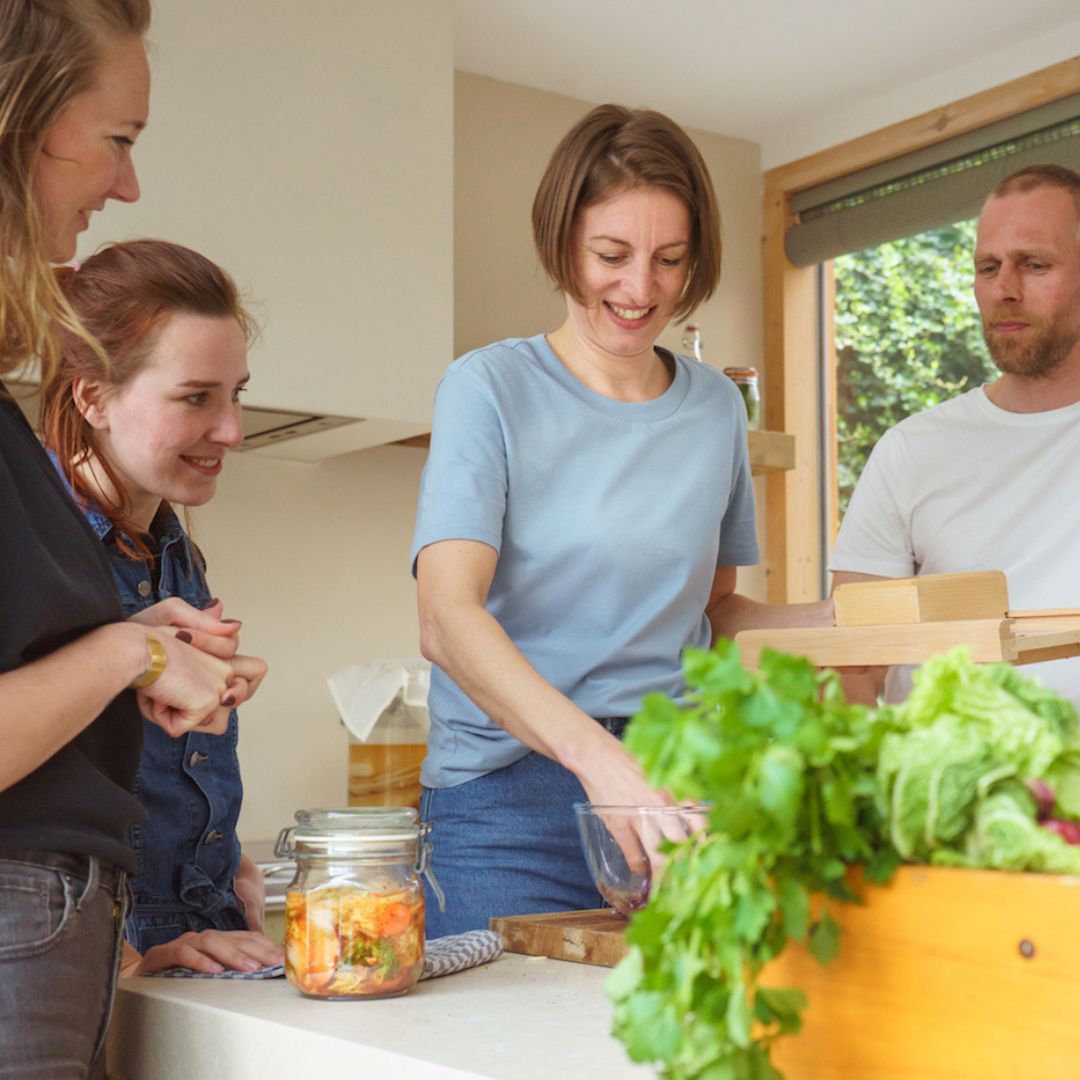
442,956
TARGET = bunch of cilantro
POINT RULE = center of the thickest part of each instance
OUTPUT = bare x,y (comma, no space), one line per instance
803,786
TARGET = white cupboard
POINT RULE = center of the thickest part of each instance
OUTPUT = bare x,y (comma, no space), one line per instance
308,148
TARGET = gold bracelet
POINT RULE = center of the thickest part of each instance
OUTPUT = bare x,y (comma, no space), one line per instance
156,665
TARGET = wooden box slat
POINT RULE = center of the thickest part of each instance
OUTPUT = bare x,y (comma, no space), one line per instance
981,594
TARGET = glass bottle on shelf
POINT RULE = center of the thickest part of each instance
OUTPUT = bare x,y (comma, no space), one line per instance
746,379
691,341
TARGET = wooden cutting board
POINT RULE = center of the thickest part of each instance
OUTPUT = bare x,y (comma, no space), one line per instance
586,937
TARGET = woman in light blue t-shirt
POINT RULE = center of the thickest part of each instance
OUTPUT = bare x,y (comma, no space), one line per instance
584,507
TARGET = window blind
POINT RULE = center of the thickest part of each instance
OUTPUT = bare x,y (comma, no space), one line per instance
930,188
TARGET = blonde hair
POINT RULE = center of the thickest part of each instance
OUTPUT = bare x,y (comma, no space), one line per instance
49,52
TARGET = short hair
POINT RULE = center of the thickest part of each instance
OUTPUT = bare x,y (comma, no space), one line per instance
614,149
49,52
123,295
1036,176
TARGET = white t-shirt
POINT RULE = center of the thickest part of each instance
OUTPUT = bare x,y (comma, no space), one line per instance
969,486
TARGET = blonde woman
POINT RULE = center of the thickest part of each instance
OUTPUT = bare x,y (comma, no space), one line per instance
74,675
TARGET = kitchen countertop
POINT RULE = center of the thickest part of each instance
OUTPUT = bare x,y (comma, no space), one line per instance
518,1018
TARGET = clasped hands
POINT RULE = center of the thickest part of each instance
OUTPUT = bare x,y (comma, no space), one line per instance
205,676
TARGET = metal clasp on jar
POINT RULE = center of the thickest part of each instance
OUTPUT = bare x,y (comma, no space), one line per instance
424,851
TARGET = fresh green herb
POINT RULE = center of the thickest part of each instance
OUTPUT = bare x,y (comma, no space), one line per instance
804,786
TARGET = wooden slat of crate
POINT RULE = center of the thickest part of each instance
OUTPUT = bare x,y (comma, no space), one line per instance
868,646
1034,646
932,982
982,594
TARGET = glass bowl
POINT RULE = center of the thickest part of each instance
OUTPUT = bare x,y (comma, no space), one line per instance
621,845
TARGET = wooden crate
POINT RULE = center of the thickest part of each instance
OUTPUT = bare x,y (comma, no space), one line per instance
942,975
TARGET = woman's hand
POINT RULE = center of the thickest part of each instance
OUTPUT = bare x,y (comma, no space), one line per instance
210,951
611,776
247,673
190,693
205,629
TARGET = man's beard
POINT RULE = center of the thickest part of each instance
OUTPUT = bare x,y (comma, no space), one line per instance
1046,348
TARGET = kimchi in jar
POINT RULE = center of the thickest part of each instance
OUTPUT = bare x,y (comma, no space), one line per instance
354,913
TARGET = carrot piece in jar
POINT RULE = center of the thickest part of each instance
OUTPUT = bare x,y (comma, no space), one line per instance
395,920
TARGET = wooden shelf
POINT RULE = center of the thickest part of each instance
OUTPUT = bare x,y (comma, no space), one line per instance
770,451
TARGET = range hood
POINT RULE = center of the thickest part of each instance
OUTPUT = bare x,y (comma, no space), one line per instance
271,427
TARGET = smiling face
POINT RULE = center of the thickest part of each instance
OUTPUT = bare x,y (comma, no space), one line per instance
1027,280
631,257
86,157
166,431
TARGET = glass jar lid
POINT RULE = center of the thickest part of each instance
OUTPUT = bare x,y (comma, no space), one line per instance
356,833
358,817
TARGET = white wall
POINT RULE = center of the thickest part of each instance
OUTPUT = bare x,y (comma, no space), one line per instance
314,560
864,114
308,148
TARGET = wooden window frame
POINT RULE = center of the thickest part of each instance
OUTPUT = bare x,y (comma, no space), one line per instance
793,498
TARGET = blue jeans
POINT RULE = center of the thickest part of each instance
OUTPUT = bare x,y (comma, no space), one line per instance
506,844
61,923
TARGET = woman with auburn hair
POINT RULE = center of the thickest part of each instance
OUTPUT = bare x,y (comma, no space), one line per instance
149,428
584,507
74,674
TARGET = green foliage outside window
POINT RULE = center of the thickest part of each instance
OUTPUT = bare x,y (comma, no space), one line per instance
908,336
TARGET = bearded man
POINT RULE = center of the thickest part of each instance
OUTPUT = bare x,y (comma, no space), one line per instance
991,479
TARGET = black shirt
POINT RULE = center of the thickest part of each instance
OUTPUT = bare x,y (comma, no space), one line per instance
55,586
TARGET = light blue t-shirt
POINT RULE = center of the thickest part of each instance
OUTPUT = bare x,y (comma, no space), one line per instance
609,517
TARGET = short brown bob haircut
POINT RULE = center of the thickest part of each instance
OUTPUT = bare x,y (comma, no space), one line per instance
615,149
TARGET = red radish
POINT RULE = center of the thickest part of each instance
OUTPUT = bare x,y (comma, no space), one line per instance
1044,797
1069,831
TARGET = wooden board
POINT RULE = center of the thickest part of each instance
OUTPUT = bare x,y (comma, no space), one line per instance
585,937
989,641
869,646
930,598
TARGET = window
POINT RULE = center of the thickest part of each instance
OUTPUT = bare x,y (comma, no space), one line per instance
907,336
1039,108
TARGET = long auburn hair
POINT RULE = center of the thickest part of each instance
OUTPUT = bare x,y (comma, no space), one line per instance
49,52
123,295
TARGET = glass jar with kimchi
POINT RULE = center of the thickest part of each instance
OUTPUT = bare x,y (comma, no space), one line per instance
354,912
